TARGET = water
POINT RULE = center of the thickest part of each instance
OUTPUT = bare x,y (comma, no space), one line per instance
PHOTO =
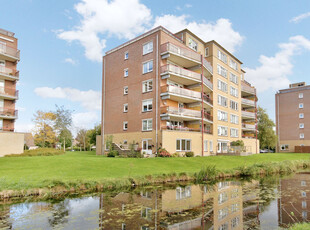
267,203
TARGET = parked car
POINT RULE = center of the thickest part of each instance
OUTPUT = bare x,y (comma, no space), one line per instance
264,151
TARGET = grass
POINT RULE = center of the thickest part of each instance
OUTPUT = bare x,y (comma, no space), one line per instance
75,168
300,226
38,152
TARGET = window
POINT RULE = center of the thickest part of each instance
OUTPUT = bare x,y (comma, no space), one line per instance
233,64
148,67
222,101
183,145
147,124
233,91
123,226
125,108
234,105
284,147
223,227
234,119
303,194
125,125
235,222
301,136
303,183
147,105
301,105
234,207
234,132
301,125
222,86
233,78
222,197
125,72
183,193
205,145
147,86
222,116
304,214
301,115
222,131
304,204
222,213
222,71
1,124
301,95
147,48
192,44
207,52
222,56
146,212
126,56
211,146
234,193
125,90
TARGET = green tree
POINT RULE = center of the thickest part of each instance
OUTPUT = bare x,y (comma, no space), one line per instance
82,139
265,127
62,125
92,134
65,138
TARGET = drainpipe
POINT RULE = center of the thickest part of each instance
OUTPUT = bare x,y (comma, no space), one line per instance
157,88
103,110
256,120
202,124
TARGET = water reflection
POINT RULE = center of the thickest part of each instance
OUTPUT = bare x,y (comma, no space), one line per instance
264,204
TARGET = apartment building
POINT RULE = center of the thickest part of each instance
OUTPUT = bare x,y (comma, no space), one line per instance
9,75
177,92
293,117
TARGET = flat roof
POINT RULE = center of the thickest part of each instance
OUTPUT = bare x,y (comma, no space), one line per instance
6,32
294,89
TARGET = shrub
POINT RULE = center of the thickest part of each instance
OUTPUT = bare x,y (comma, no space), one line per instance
189,154
113,153
38,152
208,172
163,153
134,154
176,155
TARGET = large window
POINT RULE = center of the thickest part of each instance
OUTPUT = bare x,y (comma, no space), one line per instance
234,132
147,125
233,91
192,44
183,145
233,64
147,105
183,193
222,131
211,146
222,56
234,119
235,222
223,197
222,213
148,67
147,86
222,71
205,145
222,100
233,105
148,48
222,116
222,85
233,78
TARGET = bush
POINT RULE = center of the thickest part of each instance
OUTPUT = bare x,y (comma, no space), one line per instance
38,152
134,154
163,153
113,153
176,155
189,154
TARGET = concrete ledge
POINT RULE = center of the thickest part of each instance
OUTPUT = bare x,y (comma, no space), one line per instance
11,143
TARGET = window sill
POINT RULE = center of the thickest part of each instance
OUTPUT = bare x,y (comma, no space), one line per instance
148,91
147,72
147,53
147,111
147,130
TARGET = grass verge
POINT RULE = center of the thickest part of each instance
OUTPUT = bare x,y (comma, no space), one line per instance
38,152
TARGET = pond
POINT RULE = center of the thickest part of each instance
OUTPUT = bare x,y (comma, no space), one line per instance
267,203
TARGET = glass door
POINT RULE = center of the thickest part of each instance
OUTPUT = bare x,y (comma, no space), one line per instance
2,66
1,124
1,86
147,146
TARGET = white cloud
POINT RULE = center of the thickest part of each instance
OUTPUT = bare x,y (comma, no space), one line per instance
90,99
71,61
188,5
123,19
85,120
274,71
221,30
23,127
300,17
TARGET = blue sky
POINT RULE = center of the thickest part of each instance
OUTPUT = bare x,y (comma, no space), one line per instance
61,44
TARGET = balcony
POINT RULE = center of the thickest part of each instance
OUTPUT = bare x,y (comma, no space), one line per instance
207,100
247,89
180,75
249,135
8,73
9,53
180,94
6,129
8,93
207,83
248,127
180,55
180,114
247,115
180,128
247,102
207,65
208,117
8,113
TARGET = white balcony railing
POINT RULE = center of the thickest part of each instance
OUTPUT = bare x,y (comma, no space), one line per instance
177,50
7,50
207,65
248,126
208,83
184,112
180,71
248,114
247,89
247,102
183,92
8,71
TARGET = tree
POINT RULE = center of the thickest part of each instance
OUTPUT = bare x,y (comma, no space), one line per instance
45,135
82,138
92,134
65,138
63,122
265,127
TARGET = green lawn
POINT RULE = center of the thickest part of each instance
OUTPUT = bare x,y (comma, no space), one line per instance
36,172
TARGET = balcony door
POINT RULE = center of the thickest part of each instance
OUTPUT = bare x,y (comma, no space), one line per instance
2,66
222,147
1,86
1,124
147,146
1,105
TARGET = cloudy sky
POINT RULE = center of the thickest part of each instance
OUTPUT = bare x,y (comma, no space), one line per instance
62,43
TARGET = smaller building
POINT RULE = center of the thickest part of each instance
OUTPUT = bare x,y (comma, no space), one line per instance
293,118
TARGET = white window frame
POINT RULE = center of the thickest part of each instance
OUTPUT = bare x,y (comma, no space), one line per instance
125,90
234,105
147,48
301,105
222,130
221,100
126,72
192,44
207,52
126,55
221,71
301,125
125,125
223,86
148,105
222,56
233,64
125,108
233,78
234,132
222,115
301,95
146,86
302,136
186,141
211,146
284,147
147,64
149,124
301,116
234,91
234,119
205,145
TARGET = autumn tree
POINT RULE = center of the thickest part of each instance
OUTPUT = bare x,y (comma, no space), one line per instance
45,135
265,127
92,134
82,138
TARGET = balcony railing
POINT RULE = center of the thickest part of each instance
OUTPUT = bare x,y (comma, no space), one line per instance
207,65
9,71
180,71
250,136
181,91
247,101
6,91
208,116
207,99
248,126
180,51
248,114
182,112
208,83
180,128
6,129
247,89
8,112
7,50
